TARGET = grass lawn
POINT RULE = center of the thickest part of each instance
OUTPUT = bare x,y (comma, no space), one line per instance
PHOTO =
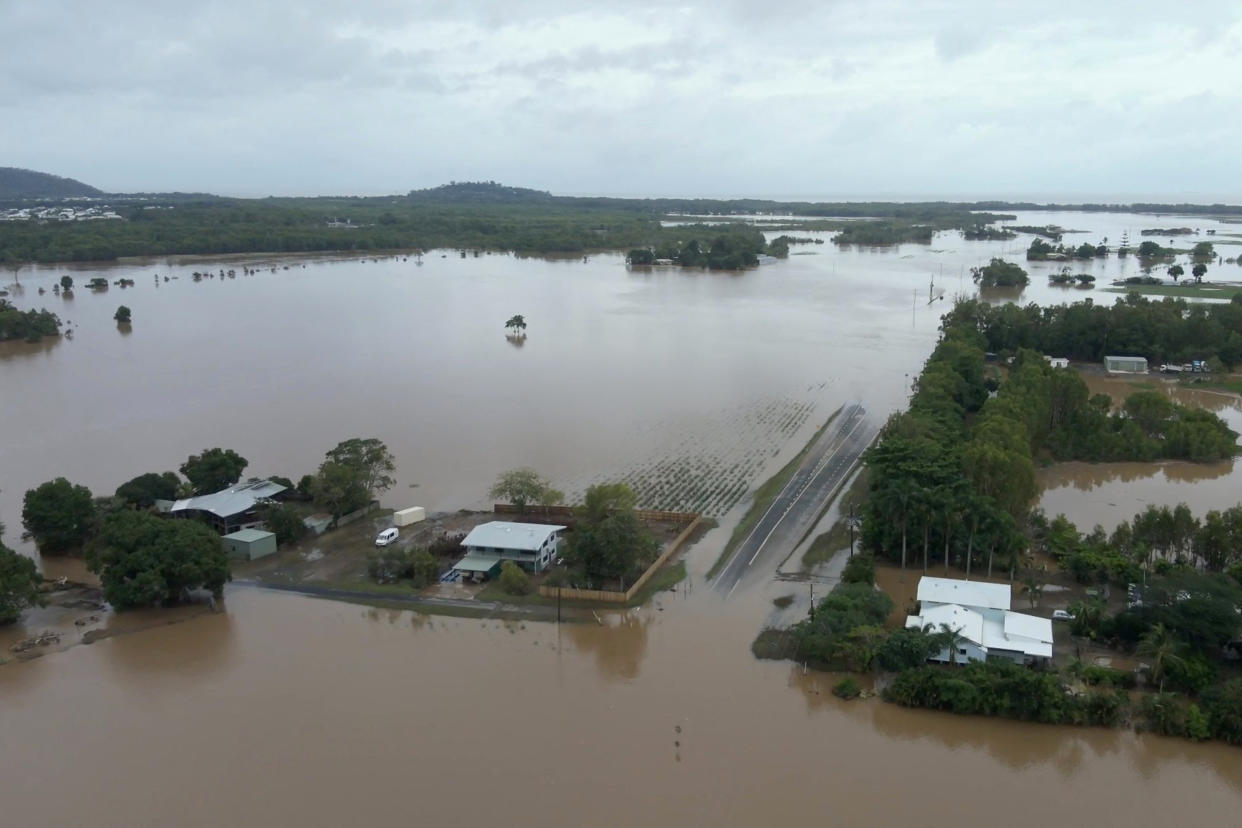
1234,386
764,496
1189,291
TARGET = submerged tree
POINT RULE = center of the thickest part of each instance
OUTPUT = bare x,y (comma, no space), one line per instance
523,487
122,315
19,583
59,515
145,560
516,323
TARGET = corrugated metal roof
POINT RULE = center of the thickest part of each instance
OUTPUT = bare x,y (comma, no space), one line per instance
501,534
231,501
249,535
967,623
1028,626
476,563
966,593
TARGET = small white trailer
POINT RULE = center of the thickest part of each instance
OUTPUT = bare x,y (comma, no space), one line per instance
405,517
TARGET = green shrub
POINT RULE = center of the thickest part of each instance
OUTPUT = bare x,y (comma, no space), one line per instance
1197,724
1109,677
905,649
1223,705
388,565
860,569
424,568
513,579
1164,714
847,688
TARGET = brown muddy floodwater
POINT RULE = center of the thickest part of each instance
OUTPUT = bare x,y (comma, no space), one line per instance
284,710
1110,493
292,711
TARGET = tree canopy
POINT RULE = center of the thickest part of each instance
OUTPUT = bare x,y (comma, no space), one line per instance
143,490
523,487
609,541
213,470
59,515
145,560
19,583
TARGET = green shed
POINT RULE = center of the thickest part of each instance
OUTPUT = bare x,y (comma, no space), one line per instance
248,544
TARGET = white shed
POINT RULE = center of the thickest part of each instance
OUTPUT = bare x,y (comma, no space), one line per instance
404,517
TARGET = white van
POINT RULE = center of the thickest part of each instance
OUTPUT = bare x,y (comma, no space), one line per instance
386,537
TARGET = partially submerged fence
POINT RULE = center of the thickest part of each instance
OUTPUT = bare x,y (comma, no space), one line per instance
692,522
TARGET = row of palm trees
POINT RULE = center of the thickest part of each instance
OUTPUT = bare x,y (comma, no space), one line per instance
955,512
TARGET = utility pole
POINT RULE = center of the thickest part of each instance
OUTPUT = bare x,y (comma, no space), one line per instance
851,520
558,603
812,585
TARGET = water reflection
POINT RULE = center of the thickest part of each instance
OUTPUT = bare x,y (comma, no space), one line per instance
618,645
187,642
20,350
516,340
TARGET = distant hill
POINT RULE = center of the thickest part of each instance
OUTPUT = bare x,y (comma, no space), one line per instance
19,183
480,192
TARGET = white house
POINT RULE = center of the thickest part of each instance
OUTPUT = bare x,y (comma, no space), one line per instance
532,546
979,612
1057,362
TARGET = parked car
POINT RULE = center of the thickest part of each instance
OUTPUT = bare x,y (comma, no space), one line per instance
1062,615
386,537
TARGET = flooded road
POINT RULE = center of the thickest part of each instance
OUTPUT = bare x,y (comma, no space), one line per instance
286,710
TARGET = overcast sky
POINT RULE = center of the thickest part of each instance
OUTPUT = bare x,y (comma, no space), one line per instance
784,98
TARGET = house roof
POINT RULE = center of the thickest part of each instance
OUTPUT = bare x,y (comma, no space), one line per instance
475,562
248,535
231,501
965,622
501,534
966,593
1013,632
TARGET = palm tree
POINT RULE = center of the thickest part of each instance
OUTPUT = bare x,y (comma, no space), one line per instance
1162,650
905,492
1033,587
951,638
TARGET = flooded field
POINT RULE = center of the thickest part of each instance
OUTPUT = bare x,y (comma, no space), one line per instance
693,386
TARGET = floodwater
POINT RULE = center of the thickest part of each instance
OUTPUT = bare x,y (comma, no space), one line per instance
293,711
290,710
1107,494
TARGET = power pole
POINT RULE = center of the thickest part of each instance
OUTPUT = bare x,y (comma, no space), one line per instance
851,521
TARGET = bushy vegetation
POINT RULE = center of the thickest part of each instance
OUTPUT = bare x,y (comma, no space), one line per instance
146,560
884,232
1002,688
1040,250
845,629
142,491
513,579
999,273
19,583
59,515
847,688
956,472
284,521
524,487
215,469
466,215
392,564
31,325
1163,330
609,544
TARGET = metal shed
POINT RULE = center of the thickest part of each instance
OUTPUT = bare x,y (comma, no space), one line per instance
248,544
